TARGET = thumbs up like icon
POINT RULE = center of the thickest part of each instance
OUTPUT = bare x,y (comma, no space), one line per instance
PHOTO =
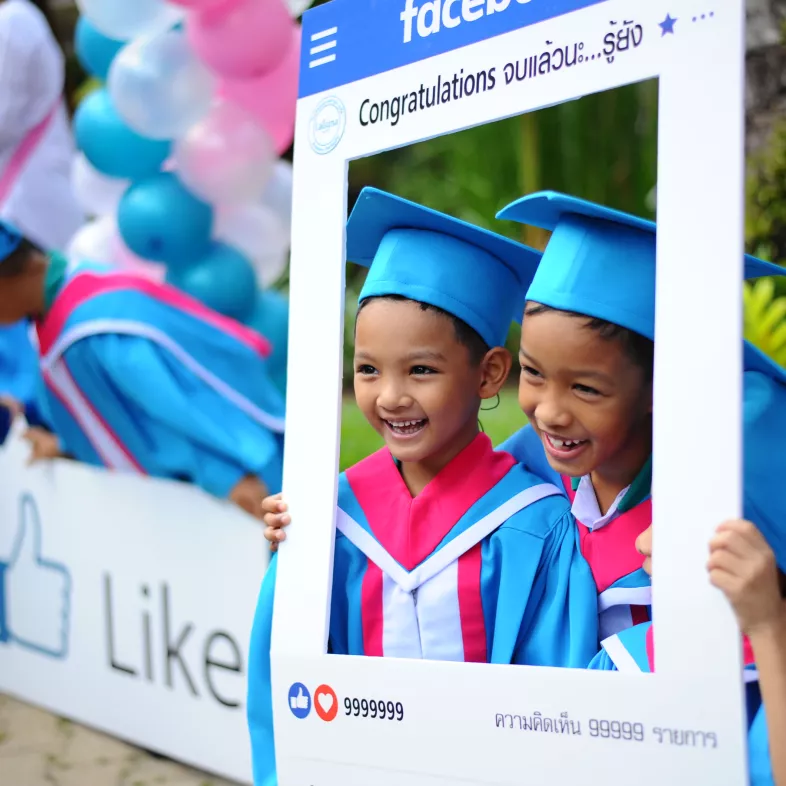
35,593
299,702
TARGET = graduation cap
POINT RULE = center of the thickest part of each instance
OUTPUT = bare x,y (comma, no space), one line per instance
421,254
599,261
10,239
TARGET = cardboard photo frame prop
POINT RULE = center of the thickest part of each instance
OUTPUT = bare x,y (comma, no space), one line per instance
357,56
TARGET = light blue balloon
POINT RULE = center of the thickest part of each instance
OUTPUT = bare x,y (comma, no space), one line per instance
159,219
271,319
94,50
110,145
223,280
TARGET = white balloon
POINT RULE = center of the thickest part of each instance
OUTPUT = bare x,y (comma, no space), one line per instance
297,7
260,235
94,242
159,86
278,192
127,19
97,194
226,158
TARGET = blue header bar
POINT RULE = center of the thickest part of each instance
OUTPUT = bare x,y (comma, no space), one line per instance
348,40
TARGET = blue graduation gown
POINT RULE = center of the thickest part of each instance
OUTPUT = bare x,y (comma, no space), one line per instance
141,378
19,374
482,566
18,362
624,589
632,651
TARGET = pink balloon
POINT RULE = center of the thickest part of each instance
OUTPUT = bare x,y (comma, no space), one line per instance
204,5
244,40
271,98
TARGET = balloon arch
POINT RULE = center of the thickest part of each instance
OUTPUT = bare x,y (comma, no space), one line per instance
178,165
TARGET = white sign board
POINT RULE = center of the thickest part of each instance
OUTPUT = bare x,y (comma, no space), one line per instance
126,604
362,61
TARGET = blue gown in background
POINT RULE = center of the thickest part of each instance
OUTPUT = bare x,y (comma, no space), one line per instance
19,374
140,378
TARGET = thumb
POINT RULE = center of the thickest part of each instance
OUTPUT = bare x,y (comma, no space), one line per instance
27,546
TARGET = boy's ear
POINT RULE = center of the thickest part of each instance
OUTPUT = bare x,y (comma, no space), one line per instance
495,368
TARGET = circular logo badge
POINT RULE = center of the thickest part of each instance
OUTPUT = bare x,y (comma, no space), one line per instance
327,125
299,700
326,703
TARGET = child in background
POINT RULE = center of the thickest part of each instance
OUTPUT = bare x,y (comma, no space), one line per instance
445,549
140,378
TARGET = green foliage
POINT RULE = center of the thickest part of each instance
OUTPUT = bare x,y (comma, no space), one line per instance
765,236
764,323
765,218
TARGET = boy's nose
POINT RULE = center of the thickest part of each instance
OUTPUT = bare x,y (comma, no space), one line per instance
393,397
549,414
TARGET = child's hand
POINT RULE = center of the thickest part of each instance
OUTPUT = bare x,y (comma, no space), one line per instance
743,566
45,445
275,517
248,493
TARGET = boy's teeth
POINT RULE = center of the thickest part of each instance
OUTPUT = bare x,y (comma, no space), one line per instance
564,443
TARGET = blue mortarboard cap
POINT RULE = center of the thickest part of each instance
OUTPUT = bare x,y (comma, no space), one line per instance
424,255
599,261
10,238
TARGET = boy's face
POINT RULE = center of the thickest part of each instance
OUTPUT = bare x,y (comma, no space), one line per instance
414,381
587,400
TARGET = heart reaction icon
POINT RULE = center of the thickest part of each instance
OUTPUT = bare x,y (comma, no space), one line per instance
325,703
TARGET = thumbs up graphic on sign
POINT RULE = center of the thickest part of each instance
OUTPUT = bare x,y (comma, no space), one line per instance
35,593
299,702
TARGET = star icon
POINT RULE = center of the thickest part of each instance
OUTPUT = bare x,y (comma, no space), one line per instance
667,25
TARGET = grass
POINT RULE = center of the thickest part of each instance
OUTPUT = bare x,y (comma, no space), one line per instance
359,440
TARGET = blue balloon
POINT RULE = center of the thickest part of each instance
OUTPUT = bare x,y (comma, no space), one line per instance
271,319
159,219
94,50
110,145
223,280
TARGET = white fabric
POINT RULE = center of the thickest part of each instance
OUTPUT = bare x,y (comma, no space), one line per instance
400,633
622,659
585,506
439,615
32,78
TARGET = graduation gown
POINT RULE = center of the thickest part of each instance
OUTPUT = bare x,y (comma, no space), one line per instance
624,589
139,377
482,566
633,651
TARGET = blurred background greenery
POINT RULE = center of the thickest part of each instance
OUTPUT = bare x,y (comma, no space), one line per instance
602,147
